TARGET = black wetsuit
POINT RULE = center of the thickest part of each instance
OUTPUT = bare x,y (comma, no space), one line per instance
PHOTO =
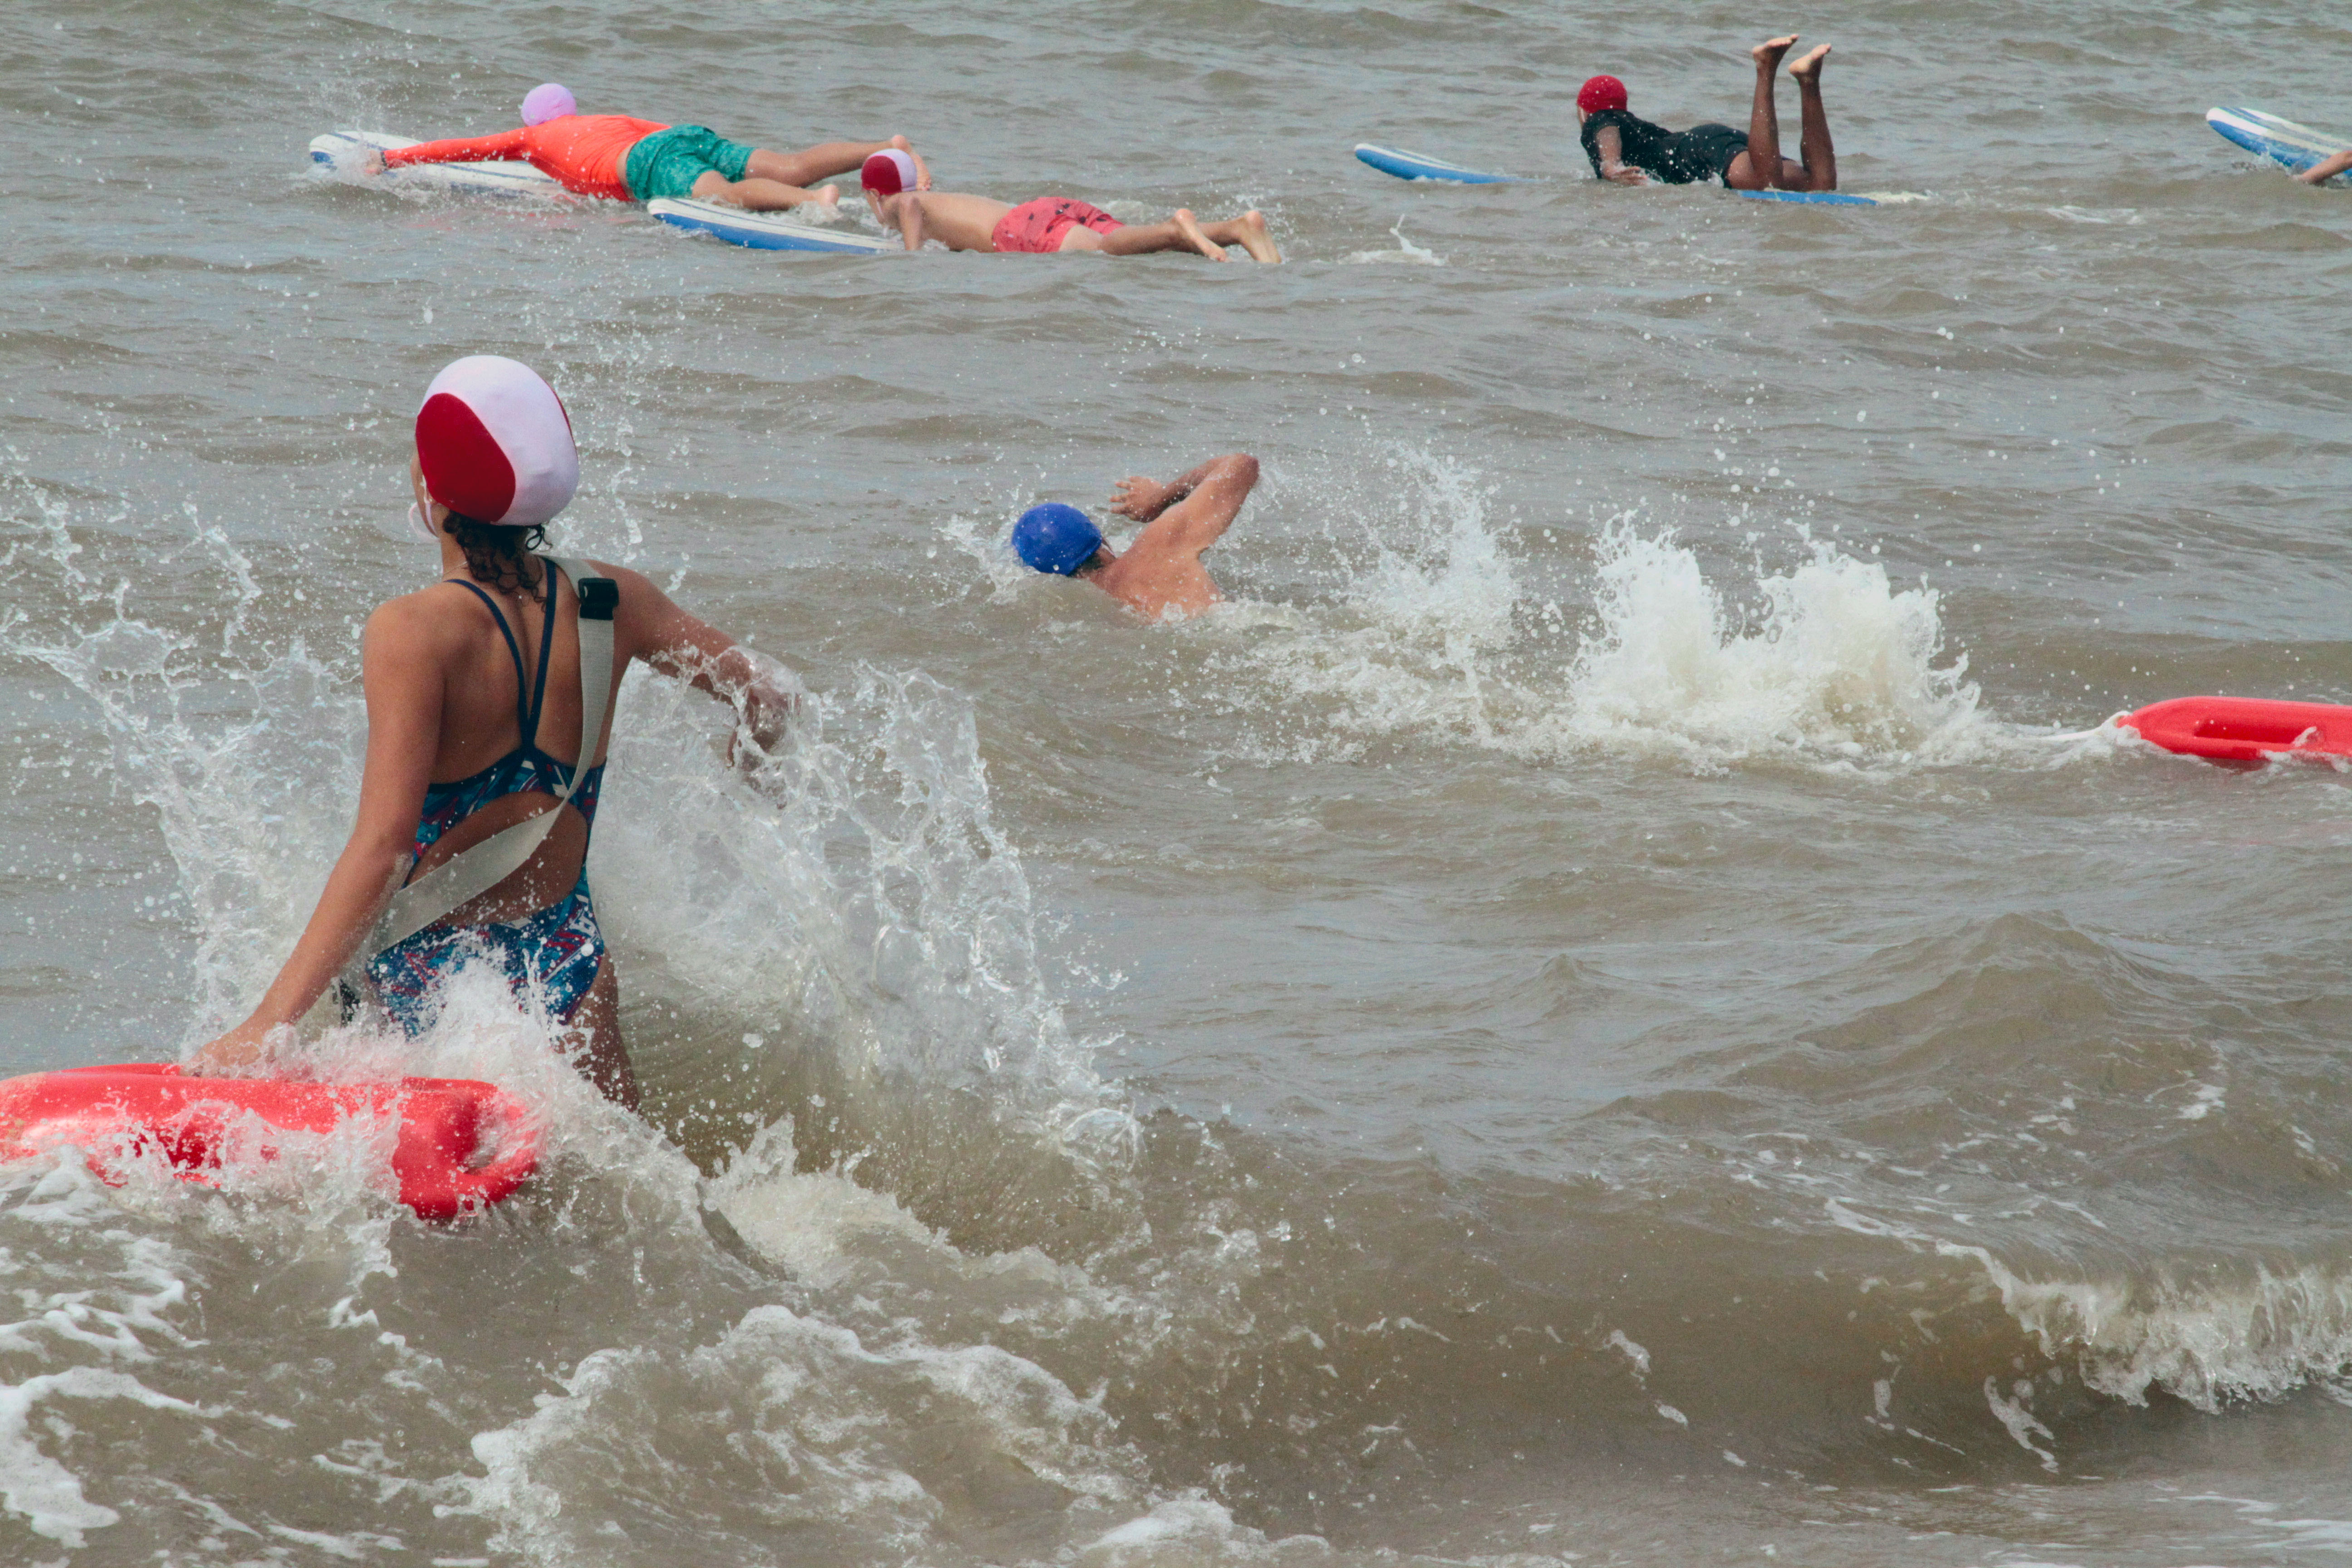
1676,157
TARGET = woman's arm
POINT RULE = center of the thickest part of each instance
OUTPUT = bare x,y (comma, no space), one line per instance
763,693
402,670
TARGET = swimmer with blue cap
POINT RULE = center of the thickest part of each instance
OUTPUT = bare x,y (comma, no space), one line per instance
1159,574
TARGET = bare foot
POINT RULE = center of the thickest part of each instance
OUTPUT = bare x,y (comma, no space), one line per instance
1767,55
827,196
1809,70
1255,239
1189,227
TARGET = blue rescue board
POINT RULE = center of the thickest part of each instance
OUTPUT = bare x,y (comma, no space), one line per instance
765,231
1407,165
1816,198
1418,166
2283,141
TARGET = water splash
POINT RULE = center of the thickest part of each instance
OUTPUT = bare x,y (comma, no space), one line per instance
1837,663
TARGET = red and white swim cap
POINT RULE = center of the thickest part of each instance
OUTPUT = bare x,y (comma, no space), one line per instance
496,444
888,171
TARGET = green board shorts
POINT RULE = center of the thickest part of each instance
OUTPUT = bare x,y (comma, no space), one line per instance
668,162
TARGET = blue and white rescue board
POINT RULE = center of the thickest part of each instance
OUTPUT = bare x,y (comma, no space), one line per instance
2283,141
765,231
344,153
1407,165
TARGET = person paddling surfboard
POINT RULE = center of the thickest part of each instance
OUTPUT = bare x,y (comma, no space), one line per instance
1629,151
1046,226
472,834
630,160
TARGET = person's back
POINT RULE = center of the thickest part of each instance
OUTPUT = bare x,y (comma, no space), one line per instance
502,723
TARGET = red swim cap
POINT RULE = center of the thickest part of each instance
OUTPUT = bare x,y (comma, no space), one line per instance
496,444
1602,92
888,171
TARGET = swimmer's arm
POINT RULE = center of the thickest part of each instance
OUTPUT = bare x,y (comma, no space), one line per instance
2327,168
1610,144
1202,505
402,667
506,147
909,206
650,627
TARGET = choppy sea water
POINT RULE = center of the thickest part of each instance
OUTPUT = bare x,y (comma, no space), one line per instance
1621,1004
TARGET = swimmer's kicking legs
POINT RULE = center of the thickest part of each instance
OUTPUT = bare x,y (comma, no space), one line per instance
1761,167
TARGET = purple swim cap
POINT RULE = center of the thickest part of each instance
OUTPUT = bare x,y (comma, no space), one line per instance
548,100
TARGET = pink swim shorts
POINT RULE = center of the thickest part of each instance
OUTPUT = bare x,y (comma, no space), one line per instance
1036,227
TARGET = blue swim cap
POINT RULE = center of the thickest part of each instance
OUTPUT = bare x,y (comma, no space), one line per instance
1056,538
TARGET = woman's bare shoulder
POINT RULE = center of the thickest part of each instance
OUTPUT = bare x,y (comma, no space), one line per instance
433,619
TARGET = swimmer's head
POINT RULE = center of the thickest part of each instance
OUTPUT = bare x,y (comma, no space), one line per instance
1056,538
548,100
888,171
1601,92
495,445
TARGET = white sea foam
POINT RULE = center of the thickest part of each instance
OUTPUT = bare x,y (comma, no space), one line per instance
1430,630
794,1427
1835,663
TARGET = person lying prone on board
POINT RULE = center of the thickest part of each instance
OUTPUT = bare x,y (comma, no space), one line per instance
640,159
1160,574
2327,168
471,839
1632,151
894,189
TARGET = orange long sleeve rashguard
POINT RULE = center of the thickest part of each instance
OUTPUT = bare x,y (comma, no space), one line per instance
583,152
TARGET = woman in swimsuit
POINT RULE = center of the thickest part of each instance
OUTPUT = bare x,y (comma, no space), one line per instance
475,700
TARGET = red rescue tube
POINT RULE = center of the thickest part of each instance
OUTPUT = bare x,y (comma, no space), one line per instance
2244,730
462,1144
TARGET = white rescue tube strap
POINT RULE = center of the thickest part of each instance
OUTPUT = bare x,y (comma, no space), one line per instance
475,870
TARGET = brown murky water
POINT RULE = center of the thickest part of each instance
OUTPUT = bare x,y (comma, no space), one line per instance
1618,1005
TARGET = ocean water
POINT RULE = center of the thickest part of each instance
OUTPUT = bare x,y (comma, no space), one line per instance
1622,1003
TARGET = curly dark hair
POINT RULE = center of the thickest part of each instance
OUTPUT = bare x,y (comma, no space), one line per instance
500,557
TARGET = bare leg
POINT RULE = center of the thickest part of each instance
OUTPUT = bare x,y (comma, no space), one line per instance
812,163
1759,168
759,196
1181,232
1814,145
1248,231
594,1044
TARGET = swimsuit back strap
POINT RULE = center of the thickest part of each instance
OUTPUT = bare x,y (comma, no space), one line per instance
479,868
546,647
526,718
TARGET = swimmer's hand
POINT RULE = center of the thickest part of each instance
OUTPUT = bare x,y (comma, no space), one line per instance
1141,499
1624,174
239,1052
374,163
766,703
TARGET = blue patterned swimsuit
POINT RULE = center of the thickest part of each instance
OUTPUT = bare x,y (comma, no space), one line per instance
552,953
